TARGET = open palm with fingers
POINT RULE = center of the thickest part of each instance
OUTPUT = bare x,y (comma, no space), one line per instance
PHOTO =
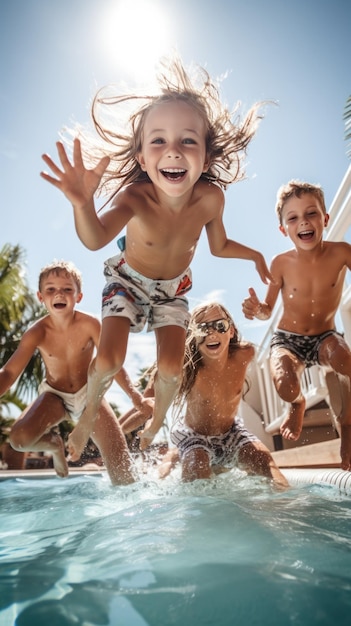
76,181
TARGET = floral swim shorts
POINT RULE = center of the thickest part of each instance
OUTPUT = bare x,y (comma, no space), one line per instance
142,300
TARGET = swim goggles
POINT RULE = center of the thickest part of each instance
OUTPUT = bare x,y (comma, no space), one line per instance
220,326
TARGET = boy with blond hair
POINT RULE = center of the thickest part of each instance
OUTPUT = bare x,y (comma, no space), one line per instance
66,339
310,278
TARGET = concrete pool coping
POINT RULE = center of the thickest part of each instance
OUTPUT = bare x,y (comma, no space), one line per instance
50,473
296,476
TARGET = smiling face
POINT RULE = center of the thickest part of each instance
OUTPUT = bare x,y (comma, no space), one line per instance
59,292
214,332
303,220
173,147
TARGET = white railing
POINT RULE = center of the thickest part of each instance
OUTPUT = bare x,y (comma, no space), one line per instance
313,380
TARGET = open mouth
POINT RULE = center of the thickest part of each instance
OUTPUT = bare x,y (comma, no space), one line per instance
59,305
306,235
213,345
173,173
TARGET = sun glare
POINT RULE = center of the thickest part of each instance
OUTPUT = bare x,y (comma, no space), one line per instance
135,35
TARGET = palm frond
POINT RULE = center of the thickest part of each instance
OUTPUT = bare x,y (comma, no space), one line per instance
9,399
18,309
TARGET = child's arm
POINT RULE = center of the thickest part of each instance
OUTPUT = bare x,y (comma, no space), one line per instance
221,246
134,418
18,361
79,185
143,403
252,307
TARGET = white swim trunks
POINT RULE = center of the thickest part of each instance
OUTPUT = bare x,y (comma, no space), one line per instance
74,403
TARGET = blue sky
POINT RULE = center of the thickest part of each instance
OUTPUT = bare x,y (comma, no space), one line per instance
56,54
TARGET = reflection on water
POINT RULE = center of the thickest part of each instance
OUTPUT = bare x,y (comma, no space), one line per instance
220,552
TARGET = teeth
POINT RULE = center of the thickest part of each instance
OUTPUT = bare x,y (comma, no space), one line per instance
307,232
173,170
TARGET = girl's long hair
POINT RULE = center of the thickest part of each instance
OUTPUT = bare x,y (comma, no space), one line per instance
119,121
193,358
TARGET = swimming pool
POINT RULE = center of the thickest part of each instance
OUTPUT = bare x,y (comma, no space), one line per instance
230,551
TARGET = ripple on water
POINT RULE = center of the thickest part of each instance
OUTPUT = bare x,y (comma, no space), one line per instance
225,551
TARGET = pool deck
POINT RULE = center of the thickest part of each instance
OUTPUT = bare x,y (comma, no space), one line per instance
315,455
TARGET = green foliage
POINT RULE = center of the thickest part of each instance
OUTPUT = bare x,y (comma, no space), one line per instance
144,377
5,427
18,309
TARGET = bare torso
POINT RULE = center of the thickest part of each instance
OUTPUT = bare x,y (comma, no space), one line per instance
68,350
213,402
161,234
312,288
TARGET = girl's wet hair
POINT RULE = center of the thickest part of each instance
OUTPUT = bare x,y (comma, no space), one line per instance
121,131
193,358
297,188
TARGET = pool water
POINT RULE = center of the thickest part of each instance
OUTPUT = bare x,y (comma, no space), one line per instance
229,551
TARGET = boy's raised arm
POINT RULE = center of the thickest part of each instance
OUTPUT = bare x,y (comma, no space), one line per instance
252,307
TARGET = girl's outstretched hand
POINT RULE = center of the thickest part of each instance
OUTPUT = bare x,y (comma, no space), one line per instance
76,181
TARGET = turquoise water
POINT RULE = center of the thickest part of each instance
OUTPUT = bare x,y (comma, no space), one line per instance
229,551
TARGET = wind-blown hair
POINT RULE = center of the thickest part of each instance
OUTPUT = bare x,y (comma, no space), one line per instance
297,188
193,358
227,135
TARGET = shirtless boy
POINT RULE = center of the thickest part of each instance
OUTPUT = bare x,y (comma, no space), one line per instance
66,340
310,278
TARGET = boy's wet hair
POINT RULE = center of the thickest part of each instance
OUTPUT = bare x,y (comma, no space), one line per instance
297,188
59,267
119,121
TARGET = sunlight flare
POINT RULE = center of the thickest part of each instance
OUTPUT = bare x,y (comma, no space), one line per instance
135,35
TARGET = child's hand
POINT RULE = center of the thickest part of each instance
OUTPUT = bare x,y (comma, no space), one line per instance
262,268
76,443
74,180
146,407
146,436
137,417
251,306
131,421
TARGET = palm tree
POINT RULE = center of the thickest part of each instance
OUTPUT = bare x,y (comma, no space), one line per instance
347,118
18,309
